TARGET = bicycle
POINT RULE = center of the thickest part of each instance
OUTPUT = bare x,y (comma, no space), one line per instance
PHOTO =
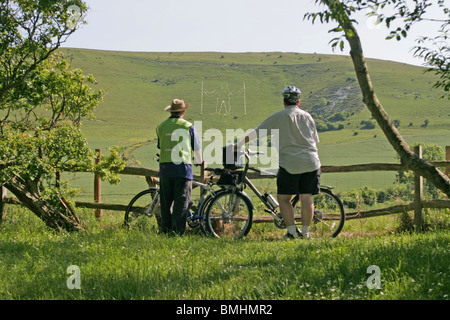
143,211
229,212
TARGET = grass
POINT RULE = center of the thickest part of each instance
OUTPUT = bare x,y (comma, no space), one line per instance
128,265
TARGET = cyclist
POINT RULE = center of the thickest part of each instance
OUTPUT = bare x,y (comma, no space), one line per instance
178,143
299,163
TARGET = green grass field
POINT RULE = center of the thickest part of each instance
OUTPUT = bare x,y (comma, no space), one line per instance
134,265
118,264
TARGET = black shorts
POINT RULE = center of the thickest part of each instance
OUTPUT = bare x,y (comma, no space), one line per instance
303,183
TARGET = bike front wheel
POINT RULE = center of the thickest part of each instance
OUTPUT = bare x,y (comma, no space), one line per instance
143,212
329,215
229,215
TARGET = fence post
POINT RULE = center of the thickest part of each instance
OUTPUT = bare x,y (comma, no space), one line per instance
3,194
202,172
97,187
447,157
58,179
418,195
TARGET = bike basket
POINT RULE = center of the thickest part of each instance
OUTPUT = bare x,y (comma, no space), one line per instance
232,159
229,179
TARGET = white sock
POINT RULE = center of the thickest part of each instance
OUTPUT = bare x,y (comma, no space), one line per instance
305,231
292,230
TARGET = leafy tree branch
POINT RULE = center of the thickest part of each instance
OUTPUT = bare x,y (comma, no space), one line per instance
340,12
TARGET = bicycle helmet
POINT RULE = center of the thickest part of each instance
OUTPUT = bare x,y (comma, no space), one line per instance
291,94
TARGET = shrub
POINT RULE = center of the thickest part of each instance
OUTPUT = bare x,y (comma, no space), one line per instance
368,195
368,125
430,152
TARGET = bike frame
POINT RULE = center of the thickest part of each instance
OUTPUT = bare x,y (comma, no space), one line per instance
206,192
155,202
246,181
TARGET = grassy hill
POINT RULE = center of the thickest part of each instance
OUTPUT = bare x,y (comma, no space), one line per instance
139,85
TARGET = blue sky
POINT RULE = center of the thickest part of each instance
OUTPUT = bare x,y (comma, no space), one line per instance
225,26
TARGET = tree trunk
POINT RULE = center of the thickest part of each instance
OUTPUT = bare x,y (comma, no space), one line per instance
407,156
52,216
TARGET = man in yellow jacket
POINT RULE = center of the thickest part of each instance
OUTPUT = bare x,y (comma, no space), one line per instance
178,143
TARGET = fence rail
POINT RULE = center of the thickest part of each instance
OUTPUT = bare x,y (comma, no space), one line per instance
417,205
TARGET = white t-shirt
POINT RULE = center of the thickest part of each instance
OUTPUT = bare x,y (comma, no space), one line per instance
297,139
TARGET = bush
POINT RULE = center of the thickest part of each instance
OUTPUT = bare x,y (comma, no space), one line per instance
350,199
398,192
430,152
337,117
327,127
368,195
368,125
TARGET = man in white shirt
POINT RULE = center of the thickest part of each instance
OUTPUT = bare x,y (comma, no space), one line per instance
299,163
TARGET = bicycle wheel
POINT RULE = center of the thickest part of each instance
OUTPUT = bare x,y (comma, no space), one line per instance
196,215
229,215
202,211
203,205
329,215
143,212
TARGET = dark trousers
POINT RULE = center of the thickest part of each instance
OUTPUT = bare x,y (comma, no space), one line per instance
175,199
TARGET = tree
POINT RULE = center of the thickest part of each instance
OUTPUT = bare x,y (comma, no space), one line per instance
435,51
42,103
31,32
340,12
430,152
368,125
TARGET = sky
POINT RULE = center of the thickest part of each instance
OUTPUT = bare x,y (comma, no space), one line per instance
228,26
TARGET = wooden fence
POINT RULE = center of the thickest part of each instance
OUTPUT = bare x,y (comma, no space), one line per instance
417,205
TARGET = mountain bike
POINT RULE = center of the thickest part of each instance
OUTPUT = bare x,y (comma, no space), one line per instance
229,213
144,212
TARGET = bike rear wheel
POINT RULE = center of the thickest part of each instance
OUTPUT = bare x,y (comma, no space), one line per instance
143,212
229,215
329,214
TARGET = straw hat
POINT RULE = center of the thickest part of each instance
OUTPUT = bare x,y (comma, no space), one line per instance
177,106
